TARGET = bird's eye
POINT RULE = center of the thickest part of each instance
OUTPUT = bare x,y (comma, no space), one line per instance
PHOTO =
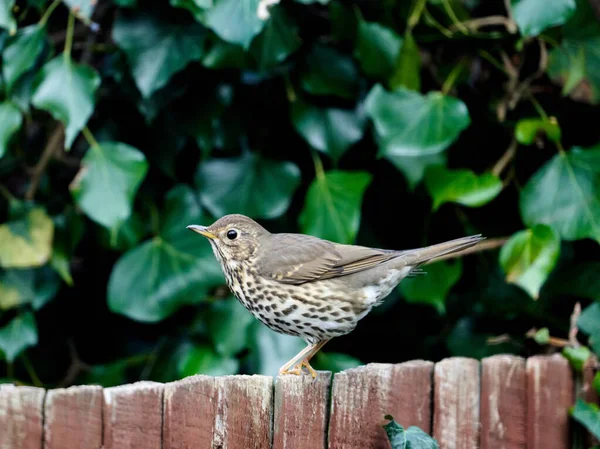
232,234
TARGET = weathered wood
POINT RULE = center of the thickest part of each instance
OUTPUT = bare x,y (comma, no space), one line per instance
301,411
503,403
219,412
21,417
363,396
73,418
588,393
133,416
456,403
550,394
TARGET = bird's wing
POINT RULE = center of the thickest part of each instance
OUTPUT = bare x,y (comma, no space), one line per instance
297,258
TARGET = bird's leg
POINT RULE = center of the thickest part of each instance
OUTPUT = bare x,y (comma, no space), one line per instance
302,360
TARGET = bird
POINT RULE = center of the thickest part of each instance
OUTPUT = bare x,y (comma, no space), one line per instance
309,287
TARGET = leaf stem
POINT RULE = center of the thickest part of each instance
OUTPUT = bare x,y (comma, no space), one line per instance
69,38
451,79
453,17
561,149
538,107
32,374
48,12
415,15
319,171
430,20
90,137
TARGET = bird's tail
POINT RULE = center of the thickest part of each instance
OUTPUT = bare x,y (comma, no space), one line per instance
426,254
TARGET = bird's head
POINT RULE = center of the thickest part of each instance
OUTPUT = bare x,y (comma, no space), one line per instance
233,238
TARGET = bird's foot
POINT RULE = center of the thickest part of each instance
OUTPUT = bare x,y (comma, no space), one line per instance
297,369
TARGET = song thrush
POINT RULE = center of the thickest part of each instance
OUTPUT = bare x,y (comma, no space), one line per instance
309,287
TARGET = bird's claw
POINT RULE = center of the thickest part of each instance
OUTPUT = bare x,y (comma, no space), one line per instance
297,369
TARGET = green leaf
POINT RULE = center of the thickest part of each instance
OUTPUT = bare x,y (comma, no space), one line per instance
576,356
26,241
329,72
156,50
278,40
587,414
107,182
565,194
10,122
223,55
589,320
414,167
461,186
542,336
576,62
596,382
529,256
66,90
175,268
68,231
331,131
270,350
263,187
407,67
332,205
409,124
21,53
234,21
376,49
7,21
18,335
33,286
201,359
528,129
126,234
82,8
334,362
411,438
534,16
228,323
308,2
196,7
433,288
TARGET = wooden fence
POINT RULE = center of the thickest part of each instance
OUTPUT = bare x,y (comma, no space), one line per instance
502,402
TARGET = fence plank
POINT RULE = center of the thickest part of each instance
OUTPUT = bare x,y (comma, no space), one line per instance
301,411
219,412
21,417
363,396
73,418
456,403
550,394
133,416
503,403
588,393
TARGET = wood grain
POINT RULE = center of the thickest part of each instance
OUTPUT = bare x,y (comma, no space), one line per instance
21,417
301,411
550,394
133,416
503,403
456,403
219,412
73,418
361,397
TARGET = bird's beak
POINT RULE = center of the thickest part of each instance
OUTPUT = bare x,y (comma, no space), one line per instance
202,230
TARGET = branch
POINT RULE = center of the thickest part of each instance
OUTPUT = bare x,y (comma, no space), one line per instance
53,146
484,245
508,156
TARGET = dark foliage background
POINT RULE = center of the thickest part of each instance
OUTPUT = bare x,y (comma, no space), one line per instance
393,124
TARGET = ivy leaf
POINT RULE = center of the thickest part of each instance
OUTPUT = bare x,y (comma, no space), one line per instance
223,55
329,72
228,322
433,288
107,182
589,323
10,122
461,186
201,359
407,66
263,187
27,240
234,21
331,131
529,256
196,7
576,63
376,49
565,194
21,53
7,21
32,286
588,415
408,123
332,205
534,16
414,167
269,350
277,40
68,230
528,129
82,8
411,438
175,268
66,90
576,356
156,50
18,335
542,336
